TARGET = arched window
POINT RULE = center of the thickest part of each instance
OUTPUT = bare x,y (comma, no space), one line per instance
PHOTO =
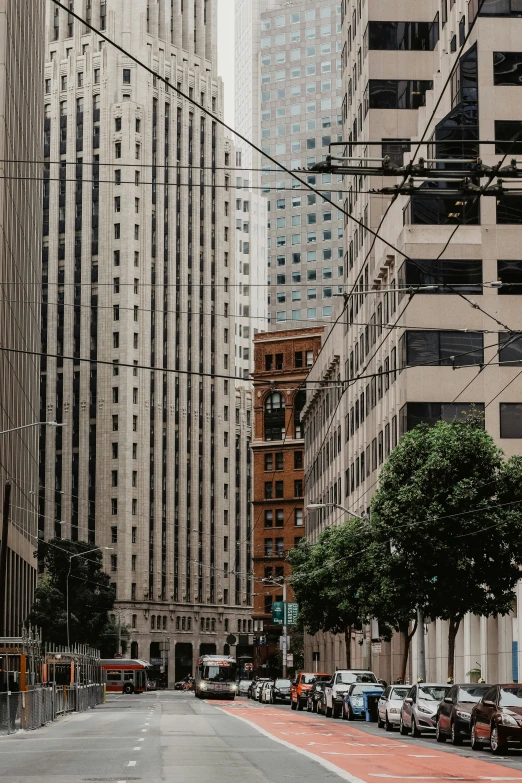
208,624
152,619
213,624
299,403
134,650
177,623
275,417
182,623
189,623
164,622
202,623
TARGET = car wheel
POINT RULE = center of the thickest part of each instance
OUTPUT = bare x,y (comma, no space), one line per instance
300,705
380,722
351,716
344,716
336,712
402,728
314,706
475,743
439,736
496,748
328,711
414,728
293,705
389,726
456,739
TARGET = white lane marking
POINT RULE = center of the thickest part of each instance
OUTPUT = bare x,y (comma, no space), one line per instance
437,777
137,748
143,730
141,739
131,764
323,762
419,756
374,755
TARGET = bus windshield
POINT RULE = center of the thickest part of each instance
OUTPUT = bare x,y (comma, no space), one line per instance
219,673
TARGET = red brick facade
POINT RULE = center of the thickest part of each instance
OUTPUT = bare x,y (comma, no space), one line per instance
282,361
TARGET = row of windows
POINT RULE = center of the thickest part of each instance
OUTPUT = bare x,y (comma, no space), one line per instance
280,39
324,12
311,274
281,74
310,314
277,362
277,518
311,256
278,550
309,238
311,107
272,464
311,293
311,51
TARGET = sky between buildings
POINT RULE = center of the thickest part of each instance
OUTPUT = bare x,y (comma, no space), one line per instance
226,54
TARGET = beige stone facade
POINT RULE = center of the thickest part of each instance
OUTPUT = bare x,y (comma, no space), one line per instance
139,274
393,77
21,106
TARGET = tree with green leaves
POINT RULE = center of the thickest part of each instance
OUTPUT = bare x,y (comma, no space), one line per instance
91,596
326,579
441,508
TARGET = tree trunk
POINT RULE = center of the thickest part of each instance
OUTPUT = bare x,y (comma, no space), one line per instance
454,625
407,642
348,643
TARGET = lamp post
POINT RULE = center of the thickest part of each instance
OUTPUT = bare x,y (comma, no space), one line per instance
277,582
78,554
5,528
315,506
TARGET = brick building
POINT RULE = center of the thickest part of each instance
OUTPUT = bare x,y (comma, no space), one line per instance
282,361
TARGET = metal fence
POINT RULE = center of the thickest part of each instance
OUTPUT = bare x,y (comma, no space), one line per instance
34,708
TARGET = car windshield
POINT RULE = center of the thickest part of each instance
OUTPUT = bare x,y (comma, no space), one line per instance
349,677
282,683
432,692
244,683
471,694
219,673
358,689
399,693
322,678
308,679
511,697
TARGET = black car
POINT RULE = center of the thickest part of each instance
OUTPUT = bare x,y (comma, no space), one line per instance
314,695
454,712
281,691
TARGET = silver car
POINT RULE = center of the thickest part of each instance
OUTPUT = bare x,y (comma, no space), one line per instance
419,708
389,706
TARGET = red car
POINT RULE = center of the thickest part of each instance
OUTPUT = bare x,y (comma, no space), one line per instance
301,686
497,718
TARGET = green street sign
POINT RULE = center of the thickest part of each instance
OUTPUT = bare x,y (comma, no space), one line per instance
291,612
277,613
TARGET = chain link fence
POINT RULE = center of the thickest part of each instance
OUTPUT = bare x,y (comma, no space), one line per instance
35,707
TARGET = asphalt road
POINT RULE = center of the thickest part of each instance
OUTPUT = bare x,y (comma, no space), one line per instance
167,736
154,737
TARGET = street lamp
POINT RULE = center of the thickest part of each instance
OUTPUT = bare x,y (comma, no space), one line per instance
315,506
78,554
34,424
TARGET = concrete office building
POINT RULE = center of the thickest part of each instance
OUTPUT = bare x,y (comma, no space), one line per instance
288,101
251,274
384,46
139,279
21,107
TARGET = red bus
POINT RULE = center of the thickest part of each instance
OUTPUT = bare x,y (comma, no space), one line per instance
122,675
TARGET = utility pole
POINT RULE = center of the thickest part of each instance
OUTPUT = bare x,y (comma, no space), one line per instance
285,637
3,560
421,652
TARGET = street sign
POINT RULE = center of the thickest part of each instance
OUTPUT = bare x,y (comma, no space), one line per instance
231,640
291,612
376,648
289,659
277,613
284,643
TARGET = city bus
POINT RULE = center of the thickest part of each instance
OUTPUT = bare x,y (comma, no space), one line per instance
216,676
122,675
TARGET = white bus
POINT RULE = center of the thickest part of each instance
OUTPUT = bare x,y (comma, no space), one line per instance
216,676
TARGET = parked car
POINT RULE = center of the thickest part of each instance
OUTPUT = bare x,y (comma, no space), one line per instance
419,708
353,704
389,707
178,686
152,685
497,718
253,685
281,691
454,712
259,687
314,695
337,688
302,685
265,694
243,687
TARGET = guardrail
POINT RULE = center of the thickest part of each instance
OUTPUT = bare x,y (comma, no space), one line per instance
28,710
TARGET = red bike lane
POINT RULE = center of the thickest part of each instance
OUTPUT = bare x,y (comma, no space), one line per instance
363,758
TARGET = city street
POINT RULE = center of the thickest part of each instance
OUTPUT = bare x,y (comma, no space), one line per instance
168,736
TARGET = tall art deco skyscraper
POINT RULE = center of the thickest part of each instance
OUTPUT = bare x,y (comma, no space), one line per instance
138,265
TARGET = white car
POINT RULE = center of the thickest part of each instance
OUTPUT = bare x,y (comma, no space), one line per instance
266,692
389,707
242,688
338,687
259,687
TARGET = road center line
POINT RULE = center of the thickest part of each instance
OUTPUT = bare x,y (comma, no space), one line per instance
131,764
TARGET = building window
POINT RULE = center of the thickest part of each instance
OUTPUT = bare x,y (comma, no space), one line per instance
511,420
114,507
510,273
298,460
398,93
280,517
279,489
444,348
269,518
298,517
507,69
444,276
268,490
126,76
269,547
114,535
274,417
269,462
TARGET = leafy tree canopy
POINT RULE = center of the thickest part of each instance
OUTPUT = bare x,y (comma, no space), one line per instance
91,596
